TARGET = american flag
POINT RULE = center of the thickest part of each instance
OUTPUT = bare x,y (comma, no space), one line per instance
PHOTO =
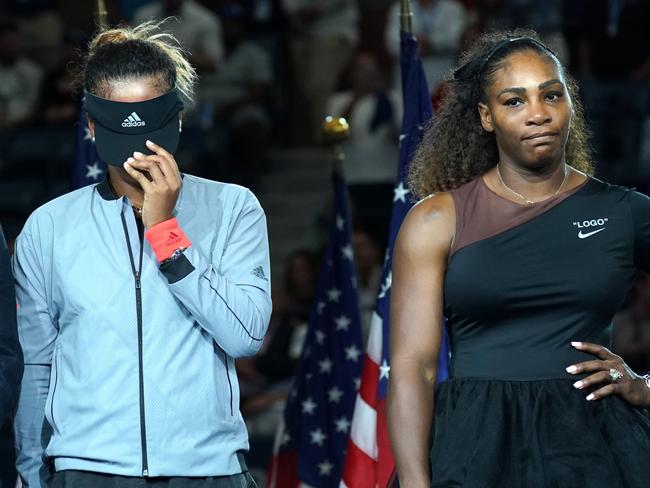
310,447
369,461
88,167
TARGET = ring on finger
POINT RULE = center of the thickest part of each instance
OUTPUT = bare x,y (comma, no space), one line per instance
615,375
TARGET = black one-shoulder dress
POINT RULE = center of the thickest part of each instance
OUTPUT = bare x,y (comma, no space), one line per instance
522,282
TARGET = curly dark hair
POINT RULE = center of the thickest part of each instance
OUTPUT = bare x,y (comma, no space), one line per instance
455,149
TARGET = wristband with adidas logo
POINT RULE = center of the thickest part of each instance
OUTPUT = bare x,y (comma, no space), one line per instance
166,238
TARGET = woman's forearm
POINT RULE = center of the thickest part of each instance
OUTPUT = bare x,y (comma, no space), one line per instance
410,412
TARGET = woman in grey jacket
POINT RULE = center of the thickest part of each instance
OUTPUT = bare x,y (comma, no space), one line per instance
137,294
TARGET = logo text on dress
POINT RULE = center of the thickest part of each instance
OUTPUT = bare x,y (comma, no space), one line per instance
585,224
590,223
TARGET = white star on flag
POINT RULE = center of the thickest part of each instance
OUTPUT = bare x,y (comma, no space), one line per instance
384,370
94,171
400,192
357,383
340,222
352,353
320,336
308,406
342,424
321,307
325,468
87,135
317,437
348,252
333,294
335,394
325,365
385,286
342,323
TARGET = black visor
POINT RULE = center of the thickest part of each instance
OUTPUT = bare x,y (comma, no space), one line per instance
123,127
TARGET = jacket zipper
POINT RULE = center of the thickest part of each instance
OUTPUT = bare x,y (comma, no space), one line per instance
138,304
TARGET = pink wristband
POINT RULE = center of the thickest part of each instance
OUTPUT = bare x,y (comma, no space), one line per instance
165,238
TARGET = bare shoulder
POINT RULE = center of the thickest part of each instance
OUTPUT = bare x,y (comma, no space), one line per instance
429,226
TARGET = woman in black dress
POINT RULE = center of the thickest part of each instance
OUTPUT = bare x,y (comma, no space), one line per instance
528,258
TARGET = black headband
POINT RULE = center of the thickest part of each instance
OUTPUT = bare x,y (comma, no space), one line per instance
474,68
123,127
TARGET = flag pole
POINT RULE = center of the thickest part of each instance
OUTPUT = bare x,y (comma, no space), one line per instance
335,131
406,16
101,15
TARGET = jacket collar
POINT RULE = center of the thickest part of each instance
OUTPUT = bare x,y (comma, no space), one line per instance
105,191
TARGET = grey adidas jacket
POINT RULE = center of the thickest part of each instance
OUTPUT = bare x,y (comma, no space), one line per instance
138,381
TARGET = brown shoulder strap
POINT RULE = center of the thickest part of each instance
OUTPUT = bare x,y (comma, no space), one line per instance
481,213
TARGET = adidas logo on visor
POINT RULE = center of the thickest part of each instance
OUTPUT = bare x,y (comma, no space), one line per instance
133,121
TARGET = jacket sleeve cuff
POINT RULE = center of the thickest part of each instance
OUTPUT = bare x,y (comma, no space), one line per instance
165,238
176,269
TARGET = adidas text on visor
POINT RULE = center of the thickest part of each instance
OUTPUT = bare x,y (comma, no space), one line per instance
121,128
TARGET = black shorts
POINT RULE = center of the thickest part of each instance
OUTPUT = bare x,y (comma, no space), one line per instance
87,479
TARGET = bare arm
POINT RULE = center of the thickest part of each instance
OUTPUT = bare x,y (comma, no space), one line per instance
419,264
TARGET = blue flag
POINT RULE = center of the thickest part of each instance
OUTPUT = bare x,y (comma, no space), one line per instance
88,167
370,460
319,410
417,113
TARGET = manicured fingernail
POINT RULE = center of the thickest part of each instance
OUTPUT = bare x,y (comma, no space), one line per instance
130,160
591,396
578,384
149,143
137,154
571,369
576,344
126,164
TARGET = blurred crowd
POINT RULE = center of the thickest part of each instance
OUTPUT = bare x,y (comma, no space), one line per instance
271,69
269,72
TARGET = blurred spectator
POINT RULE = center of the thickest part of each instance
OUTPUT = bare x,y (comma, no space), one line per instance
58,103
197,29
263,17
371,151
300,284
614,43
632,327
438,25
368,260
238,96
324,35
374,115
41,28
546,19
614,70
128,8
20,79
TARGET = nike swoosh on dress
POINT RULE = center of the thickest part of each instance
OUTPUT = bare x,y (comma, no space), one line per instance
584,236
